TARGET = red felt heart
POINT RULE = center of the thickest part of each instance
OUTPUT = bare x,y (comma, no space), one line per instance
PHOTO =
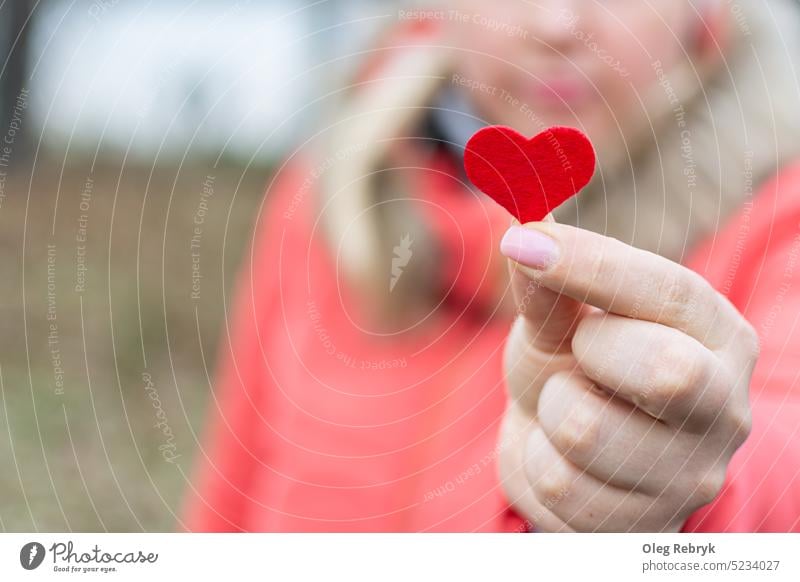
529,177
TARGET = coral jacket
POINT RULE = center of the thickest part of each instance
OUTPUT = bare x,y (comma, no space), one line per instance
317,425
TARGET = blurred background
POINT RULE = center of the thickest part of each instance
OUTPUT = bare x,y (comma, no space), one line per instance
136,140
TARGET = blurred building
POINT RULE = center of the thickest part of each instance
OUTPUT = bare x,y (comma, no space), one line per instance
188,77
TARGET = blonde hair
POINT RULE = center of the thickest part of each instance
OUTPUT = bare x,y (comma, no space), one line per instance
702,158
695,162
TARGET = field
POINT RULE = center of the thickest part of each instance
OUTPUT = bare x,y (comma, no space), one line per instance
116,278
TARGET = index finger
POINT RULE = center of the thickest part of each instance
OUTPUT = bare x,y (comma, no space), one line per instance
616,277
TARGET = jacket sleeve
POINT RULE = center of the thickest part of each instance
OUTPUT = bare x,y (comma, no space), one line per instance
217,497
762,489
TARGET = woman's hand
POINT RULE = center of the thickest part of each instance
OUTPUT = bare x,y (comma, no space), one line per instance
628,377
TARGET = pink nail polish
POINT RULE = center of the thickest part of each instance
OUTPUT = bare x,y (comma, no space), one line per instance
529,247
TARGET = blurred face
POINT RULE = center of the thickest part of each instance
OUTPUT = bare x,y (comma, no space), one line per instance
586,63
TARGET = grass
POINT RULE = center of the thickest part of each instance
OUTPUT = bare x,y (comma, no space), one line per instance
87,373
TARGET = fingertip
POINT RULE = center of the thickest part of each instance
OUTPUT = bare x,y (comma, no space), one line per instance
530,247
546,218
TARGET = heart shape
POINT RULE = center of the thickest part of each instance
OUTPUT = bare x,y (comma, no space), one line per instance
529,177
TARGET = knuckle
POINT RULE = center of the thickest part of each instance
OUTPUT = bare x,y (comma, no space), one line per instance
674,375
591,346
601,269
584,333
741,419
750,341
578,433
707,486
552,487
676,294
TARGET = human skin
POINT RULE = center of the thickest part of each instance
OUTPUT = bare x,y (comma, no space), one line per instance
584,63
628,379
628,374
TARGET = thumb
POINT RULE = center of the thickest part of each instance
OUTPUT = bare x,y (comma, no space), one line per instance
540,340
550,316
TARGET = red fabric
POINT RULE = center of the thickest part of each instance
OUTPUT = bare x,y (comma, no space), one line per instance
529,177
320,426
755,262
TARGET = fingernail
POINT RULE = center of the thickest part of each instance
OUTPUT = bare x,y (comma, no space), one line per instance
529,247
